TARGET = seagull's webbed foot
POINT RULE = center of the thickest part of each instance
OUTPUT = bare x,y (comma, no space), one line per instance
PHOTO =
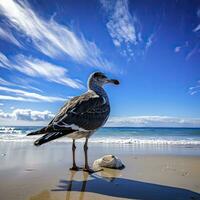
90,171
75,168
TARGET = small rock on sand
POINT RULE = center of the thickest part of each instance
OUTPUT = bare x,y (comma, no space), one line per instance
109,161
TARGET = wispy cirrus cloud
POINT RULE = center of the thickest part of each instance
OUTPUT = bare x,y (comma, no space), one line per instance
27,115
153,121
22,95
197,28
188,48
17,98
150,40
4,61
120,24
195,89
4,82
49,37
125,29
8,36
25,86
39,68
192,48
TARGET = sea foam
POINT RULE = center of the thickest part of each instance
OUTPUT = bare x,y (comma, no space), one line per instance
133,136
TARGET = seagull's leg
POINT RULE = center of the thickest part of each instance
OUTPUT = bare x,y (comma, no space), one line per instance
74,167
86,168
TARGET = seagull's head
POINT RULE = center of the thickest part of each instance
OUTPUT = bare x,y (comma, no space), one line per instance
100,79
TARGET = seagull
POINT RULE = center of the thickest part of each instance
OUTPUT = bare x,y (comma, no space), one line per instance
80,117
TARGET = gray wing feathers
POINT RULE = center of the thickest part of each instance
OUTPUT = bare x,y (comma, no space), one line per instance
86,111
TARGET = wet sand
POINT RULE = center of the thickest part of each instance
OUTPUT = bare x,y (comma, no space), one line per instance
42,173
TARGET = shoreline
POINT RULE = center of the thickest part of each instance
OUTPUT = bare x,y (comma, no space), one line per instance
120,148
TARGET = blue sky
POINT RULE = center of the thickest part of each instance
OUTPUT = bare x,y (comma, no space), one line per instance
48,50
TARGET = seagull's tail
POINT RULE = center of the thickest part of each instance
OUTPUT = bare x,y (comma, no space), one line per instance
51,136
41,131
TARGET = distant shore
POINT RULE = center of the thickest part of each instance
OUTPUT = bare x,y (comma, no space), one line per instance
42,173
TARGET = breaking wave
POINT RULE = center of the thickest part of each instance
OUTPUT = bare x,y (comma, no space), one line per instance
112,136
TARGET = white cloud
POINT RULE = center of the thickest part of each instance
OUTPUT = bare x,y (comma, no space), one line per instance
150,41
38,68
4,62
27,115
27,86
177,49
197,28
153,121
5,82
120,23
125,29
14,98
107,5
4,115
6,35
189,48
1,104
121,26
50,37
192,52
23,95
195,89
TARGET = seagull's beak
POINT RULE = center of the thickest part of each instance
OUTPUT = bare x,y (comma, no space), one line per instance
114,81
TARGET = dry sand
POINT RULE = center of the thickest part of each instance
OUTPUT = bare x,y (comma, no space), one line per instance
42,173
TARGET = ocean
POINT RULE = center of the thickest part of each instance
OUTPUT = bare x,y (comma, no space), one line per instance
181,141
118,135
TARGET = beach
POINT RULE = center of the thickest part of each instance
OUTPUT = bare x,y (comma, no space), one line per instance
42,173
86,83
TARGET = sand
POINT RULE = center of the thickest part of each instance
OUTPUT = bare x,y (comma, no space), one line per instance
42,173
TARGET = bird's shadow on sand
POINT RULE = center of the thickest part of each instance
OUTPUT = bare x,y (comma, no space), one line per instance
123,188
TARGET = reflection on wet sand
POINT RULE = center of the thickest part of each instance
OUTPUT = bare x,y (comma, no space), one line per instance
79,183
108,183
82,189
108,175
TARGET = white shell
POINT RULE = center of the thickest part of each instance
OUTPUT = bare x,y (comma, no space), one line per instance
109,161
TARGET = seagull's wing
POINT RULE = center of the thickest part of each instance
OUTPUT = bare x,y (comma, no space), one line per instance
50,128
88,111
